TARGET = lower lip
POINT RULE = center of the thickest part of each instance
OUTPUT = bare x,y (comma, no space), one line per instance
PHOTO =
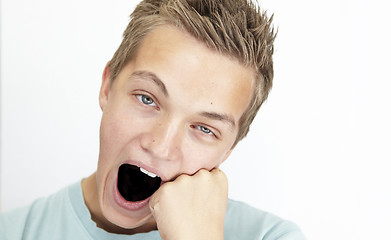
132,206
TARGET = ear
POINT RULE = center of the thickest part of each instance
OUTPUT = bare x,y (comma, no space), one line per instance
105,87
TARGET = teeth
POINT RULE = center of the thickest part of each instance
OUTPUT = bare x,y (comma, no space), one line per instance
148,173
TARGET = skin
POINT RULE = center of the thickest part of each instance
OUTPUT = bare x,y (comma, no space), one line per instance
173,110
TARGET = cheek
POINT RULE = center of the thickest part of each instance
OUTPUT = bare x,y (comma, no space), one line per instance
118,127
110,138
114,136
202,157
118,131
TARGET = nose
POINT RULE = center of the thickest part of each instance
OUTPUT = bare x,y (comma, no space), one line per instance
163,141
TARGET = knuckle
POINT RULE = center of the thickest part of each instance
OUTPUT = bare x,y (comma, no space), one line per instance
223,176
200,175
219,174
181,179
203,172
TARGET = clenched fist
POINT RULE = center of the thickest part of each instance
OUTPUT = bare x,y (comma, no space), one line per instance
192,207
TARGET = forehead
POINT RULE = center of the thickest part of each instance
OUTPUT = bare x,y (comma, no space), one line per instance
195,73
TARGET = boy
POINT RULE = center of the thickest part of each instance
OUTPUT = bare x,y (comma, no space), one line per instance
177,96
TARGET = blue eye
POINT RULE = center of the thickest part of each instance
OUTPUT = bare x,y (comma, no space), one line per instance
146,100
205,130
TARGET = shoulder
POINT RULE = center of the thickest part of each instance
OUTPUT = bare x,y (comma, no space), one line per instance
12,223
246,222
31,219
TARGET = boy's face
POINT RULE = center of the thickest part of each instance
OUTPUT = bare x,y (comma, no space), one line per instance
172,110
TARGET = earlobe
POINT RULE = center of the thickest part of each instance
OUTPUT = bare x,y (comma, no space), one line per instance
105,87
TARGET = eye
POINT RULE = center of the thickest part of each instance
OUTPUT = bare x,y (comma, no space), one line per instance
146,100
205,130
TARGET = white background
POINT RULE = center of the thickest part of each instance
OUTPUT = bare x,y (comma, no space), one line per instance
318,152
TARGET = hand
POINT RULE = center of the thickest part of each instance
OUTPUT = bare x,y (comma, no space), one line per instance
192,207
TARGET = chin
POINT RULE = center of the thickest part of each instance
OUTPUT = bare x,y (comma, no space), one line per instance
125,197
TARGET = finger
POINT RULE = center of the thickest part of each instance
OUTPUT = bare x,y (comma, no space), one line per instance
152,202
220,174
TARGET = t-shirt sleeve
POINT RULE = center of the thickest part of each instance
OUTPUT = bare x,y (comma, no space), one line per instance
246,222
284,230
12,223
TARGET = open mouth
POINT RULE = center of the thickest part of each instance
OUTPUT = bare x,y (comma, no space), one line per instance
135,183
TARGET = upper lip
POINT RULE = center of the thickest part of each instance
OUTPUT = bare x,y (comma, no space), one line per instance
149,169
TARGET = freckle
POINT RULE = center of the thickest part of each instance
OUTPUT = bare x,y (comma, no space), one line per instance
153,140
211,103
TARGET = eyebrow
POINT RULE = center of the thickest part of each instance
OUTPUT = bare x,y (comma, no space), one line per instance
150,76
221,117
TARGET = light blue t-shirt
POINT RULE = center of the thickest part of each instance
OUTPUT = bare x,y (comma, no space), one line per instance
65,216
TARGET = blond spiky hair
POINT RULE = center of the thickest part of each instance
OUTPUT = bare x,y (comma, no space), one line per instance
235,28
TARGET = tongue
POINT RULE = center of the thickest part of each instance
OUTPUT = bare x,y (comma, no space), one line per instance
134,185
